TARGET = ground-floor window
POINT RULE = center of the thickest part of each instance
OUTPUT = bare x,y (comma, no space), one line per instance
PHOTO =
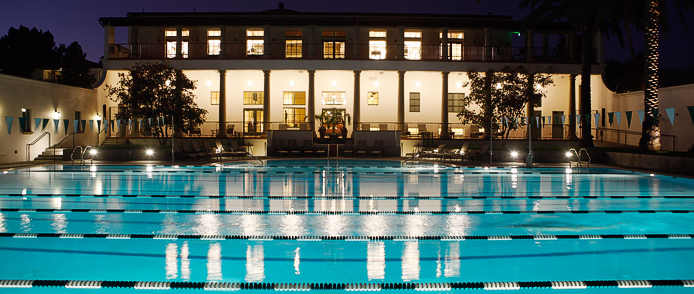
214,98
414,102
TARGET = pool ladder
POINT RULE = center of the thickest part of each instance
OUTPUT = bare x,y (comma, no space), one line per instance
579,163
81,152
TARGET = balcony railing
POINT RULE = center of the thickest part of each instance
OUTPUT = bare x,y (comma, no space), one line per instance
198,51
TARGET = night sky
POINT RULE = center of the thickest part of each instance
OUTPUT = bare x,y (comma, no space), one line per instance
77,20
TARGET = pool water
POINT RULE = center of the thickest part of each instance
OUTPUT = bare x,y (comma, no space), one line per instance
342,222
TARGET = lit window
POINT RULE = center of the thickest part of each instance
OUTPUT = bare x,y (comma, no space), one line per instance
185,33
170,49
455,102
333,49
294,33
334,33
414,102
255,33
254,47
372,98
293,117
214,98
170,33
214,33
253,98
377,49
413,50
184,49
293,49
413,34
294,98
453,35
377,34
334,98
214,47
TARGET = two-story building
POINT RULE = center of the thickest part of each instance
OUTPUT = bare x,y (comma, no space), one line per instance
277,69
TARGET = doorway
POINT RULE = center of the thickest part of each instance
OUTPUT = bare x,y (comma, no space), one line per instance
253,121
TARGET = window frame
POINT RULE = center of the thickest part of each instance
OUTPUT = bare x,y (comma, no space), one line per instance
290,98
452,106
415,107
212,97
337,98
248,97
372,98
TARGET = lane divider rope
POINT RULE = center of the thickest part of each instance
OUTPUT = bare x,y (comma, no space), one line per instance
327,212
227,286
543,237
539,197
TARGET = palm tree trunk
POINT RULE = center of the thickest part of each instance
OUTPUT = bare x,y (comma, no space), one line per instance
586,70
650,134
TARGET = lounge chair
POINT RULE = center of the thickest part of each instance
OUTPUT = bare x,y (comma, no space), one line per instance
349,148
308,147
279,148
361,148
292,148
478,153
378,148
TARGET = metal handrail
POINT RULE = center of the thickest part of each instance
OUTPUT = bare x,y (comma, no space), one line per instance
73,153
28,148
580,152
85,151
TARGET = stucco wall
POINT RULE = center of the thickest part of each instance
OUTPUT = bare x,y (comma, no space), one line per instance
44,100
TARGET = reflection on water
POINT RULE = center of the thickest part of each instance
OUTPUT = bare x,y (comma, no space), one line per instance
458,224
376,260
251,224
102,225
170,225
185,261
59,223
214,262
292,225
24,223
3,226
297,260
335,224
410,261
207,224
255,263
171,265
452,263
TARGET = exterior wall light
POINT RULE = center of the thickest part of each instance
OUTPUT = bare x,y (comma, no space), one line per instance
149,152
92,152
514,154
568,154
56,115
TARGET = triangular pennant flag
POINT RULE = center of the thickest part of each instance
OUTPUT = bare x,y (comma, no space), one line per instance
105,125
66,123
549,120
628,115
9,120
75,125
118,123
563,119
671,114
640,112
505,120
537,121
22,121
150,121
655,115
587,119
691,113
55,123
91,125
98,126
610,117
83,123
161,121
597,120
45,123
618,116
37,123
130,123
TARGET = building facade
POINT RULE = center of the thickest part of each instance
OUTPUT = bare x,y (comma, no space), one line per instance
277,69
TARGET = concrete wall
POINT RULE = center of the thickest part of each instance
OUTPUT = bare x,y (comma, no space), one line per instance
44,100
678,97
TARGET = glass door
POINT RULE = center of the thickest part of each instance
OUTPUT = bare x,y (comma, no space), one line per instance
253,121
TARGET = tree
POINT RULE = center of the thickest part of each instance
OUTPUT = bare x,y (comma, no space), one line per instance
157,90
502,94
23,50
74,66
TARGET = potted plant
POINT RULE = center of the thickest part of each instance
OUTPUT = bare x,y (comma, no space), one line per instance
322,118
343,119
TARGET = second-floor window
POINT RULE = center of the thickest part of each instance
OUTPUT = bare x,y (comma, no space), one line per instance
334,44
294,98
252,98
413,45
255,42
334,98
455,45
214,41
293,48
377,44
172,43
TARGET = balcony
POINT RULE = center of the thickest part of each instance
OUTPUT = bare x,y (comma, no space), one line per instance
317,51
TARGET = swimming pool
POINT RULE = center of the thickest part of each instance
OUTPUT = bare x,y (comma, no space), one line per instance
336,225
